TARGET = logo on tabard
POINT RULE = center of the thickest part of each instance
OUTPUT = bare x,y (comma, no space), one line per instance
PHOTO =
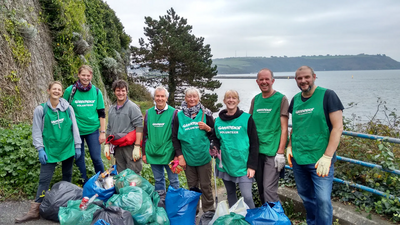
304,111
264,110
59,121
84,103
191,126
229,129
158,124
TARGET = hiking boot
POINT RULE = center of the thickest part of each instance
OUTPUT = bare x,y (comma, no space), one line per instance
162,195
33,214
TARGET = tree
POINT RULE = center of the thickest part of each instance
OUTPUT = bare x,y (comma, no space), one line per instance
173,51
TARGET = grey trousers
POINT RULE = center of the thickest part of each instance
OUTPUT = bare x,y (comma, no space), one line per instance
124,160
201,175
270,179
245,190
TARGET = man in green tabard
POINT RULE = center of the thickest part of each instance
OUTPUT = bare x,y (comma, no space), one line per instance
270,114
157,149
317,125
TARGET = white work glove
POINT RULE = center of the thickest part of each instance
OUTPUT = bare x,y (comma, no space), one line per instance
107,151
279,161
289,156
323,165
136,153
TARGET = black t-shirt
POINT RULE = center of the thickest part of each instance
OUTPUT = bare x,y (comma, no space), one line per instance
331,103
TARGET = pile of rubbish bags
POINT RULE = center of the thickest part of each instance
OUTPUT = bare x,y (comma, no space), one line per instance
239,213
130,199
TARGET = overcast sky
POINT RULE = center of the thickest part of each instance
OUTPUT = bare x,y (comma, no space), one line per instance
278,28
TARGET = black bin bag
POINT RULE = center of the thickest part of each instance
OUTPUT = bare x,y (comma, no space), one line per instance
112,215
57,197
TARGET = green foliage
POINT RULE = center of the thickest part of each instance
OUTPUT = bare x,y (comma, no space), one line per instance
172,49
290,211
15,29
20,167
109,40
18,163
10,99
64,17
138,92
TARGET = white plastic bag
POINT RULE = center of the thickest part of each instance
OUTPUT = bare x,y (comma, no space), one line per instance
240,207
222,210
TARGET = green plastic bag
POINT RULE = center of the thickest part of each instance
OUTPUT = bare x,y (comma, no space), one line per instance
160,217
231,219
137,202
127,176
73,215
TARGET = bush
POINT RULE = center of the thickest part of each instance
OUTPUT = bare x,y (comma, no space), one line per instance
20,167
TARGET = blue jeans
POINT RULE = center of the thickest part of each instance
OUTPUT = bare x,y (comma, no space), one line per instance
158,172
46,173
92,141
315,191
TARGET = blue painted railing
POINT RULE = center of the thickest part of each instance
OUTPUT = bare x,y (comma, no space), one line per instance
366,164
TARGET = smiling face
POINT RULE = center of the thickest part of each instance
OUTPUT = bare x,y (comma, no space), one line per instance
55,91
231,100
265,81
192,99
85,76
305,79
121,94
160,98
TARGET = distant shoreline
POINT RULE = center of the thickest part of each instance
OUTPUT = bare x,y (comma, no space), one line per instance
250,77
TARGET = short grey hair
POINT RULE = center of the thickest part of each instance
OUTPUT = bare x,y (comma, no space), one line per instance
192,90
266,69
161,88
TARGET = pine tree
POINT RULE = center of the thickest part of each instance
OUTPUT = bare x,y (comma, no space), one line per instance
172,50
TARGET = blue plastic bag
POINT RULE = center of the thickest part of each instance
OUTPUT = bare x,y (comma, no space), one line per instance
181,205
268,214
90,188
101,222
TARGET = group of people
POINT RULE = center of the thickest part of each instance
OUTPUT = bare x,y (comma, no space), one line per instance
247,147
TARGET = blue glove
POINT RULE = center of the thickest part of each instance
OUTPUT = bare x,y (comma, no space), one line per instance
77,153
42,156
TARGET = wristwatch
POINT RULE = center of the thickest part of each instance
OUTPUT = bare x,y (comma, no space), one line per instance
102,131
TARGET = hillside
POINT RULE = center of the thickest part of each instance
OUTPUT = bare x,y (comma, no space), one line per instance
43,40
241,65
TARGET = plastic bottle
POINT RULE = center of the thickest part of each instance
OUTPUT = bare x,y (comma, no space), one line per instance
92,198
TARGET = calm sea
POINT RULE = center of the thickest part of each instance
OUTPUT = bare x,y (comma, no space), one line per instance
361,87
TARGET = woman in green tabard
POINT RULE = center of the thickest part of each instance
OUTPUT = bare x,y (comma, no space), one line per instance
236,142
190,137
55,135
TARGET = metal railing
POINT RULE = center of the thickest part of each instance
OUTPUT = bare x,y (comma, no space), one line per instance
366,164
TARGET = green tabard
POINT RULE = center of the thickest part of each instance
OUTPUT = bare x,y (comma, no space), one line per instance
235,144
159,148
58,138
266,115
310,135
195,143
85,106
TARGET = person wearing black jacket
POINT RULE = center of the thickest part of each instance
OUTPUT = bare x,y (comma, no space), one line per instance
235,142
190,136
